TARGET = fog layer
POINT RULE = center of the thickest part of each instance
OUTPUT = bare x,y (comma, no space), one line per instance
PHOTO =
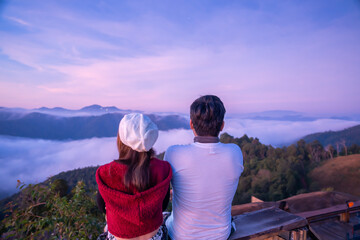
32,161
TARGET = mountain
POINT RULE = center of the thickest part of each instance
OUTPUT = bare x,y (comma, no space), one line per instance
91,110
46,124
291,116
279,115
350,136
87,175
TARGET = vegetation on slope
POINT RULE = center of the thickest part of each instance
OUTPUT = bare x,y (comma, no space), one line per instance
272,173
45,212
341,173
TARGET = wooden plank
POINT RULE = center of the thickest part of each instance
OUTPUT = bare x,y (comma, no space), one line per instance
264,222
255,199
269,236
331,230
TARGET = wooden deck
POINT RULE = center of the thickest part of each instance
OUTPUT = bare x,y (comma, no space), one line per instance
265,223
330,223
332,230
318,215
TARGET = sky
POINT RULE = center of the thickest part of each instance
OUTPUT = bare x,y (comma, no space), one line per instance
161,55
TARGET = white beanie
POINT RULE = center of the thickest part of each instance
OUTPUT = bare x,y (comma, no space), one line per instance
138,132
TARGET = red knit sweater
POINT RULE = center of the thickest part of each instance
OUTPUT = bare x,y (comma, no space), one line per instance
131,213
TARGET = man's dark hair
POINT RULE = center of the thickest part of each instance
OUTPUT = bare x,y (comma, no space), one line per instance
207,115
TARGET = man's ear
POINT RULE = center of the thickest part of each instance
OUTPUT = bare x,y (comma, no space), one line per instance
192,128
222,126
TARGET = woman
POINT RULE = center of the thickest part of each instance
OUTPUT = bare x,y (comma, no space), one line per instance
135,187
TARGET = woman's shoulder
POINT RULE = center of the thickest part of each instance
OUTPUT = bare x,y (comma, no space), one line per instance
157,163
111,175
159,168
111,168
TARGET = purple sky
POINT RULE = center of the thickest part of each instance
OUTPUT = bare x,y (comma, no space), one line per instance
161,55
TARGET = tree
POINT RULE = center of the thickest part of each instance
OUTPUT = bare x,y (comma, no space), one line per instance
60,186
43,214
343,143
330,150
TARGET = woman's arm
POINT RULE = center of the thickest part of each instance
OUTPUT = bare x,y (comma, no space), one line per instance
166,200
100,202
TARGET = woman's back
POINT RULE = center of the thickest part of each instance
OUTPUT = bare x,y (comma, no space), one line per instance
134,187
131,213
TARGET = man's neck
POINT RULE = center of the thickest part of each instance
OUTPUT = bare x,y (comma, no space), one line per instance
206,139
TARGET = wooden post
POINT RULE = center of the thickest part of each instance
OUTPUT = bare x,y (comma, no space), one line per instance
345,217
299,234
274,238
295,235
303,234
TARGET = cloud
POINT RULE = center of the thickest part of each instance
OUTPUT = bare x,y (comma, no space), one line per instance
173,137
278,133
142,54
33,161
19,21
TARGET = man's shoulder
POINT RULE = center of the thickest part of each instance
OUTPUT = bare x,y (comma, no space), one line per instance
176,151
231,146
177,148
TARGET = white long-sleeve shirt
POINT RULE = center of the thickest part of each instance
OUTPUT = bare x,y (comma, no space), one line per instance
205,178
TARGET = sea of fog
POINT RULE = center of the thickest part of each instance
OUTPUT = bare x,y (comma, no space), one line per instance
34,160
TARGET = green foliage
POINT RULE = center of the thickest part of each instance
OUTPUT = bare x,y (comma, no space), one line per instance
42,213
272,174
86,175
60,186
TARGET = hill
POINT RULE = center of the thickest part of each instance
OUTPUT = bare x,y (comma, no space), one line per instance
87,175
50,126
350,136
341,174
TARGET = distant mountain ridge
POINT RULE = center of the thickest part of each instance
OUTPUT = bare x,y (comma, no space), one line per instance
94,109
64,124
279,115
349,135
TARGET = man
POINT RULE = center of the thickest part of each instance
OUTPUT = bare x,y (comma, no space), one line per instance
205,176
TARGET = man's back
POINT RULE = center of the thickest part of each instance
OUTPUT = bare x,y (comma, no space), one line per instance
205,178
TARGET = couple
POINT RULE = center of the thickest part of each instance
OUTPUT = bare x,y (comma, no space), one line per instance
134,189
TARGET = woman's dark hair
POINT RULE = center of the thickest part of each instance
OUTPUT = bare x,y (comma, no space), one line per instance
207,115
138,172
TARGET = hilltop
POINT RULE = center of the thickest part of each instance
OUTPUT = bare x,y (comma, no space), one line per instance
341,174
349,136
